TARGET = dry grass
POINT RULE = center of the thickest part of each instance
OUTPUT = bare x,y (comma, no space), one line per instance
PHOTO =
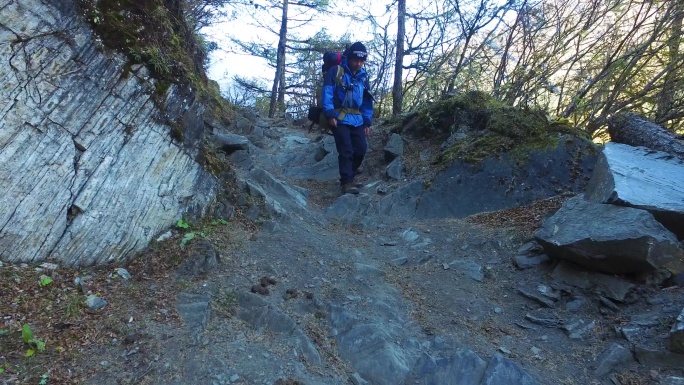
525,219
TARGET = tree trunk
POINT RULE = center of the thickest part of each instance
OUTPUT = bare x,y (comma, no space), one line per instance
667,94
280,62
397,89
281,91
634,130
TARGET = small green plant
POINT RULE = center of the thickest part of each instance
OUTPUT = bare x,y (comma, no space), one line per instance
217,222
2,370
45,280
34,343
183,224
187,238
44,379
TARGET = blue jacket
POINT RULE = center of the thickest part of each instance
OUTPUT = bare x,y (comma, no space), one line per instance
352,93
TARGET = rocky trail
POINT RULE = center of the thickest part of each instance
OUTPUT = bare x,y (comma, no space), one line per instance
325,290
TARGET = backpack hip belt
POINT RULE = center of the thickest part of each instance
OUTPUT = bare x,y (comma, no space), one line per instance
344,111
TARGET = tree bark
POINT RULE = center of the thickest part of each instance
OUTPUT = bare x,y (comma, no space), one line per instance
397,89
667,94
634,130
280,62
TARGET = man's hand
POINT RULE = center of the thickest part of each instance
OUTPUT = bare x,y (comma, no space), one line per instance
332,122
366,130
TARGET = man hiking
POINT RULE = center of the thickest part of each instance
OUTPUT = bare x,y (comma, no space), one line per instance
348,106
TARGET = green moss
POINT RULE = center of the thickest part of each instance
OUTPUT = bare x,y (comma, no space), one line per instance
445,116
475,150
176,131
151,34
161,86
214,163
488,127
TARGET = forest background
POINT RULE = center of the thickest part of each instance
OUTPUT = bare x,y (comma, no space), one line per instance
579,61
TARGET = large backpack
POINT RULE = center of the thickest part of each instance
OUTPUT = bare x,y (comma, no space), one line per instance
331,61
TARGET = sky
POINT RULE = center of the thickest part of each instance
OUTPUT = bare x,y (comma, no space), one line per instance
226,62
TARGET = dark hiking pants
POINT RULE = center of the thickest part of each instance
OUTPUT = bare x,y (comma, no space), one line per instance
351,146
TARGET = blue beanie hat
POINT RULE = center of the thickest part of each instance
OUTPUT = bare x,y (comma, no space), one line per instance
357,50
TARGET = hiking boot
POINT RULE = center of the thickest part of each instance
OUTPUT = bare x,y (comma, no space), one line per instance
349,188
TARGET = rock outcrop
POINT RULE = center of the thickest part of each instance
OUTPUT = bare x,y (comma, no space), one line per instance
624,241
89,172
641,178
497,183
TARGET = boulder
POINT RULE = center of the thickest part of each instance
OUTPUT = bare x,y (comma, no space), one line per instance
641,178
505,181
395,170
612,357
230,143
394,147
623,240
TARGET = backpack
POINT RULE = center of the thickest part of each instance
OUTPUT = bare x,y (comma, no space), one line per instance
331,60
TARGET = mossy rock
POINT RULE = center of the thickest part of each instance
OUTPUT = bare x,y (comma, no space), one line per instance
488,127
150,32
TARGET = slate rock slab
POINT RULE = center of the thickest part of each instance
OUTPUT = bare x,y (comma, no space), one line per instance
624,240
195,311
658,358
373,353
642,178
402,202
676,336
395,170
260,315
612,287
463,367
394,147
471,269
523,262
611,357
230,143
501,370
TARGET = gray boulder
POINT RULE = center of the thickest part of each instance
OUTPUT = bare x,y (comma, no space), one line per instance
280,198
642,178
230,143
394,148
497,183
612,357
395,170
624,240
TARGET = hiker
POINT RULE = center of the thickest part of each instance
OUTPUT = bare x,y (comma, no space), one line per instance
348,106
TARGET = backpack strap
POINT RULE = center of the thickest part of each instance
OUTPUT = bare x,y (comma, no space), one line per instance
340,73
344,111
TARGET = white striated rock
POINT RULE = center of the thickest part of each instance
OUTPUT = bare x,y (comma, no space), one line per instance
88,174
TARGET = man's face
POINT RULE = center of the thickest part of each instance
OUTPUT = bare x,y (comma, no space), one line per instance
355,63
